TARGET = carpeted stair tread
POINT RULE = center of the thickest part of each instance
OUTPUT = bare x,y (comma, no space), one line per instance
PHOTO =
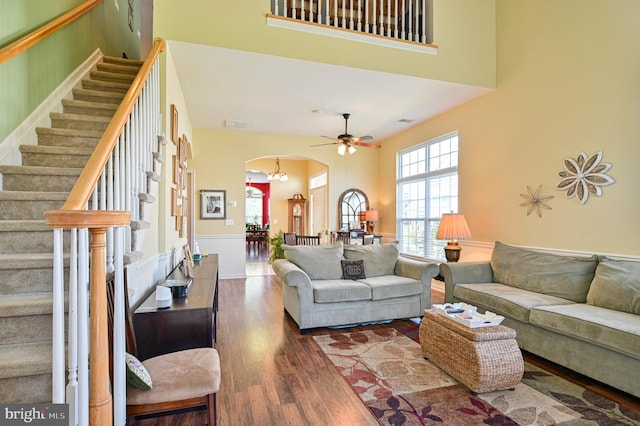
26,260
74,106
23,225
24,304
69,132
26,359
38,170
117,68
123,61
59,150
33,196
99,96
105,86
112,77
64,117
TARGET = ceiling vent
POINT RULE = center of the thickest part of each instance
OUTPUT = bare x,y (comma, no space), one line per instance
234,124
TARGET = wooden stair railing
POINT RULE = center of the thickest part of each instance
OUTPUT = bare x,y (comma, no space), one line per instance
74,215
36,36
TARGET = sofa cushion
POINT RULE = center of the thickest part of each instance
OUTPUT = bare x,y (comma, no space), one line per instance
353,269
379,259
390,286
567,277
619,331
320,262
616,285
504,300
329,291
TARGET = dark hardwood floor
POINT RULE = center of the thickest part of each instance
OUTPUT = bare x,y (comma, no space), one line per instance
272,375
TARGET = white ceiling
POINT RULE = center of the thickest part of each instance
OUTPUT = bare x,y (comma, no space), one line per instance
278,95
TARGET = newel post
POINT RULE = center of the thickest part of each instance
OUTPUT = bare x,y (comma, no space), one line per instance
100,402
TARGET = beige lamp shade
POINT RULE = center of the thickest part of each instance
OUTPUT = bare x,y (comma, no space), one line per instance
453,227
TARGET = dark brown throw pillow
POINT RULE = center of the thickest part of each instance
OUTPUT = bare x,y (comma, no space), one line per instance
353,270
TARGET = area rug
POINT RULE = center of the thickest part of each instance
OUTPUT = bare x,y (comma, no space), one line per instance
386,369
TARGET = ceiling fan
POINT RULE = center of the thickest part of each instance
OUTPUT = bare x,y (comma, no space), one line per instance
347,143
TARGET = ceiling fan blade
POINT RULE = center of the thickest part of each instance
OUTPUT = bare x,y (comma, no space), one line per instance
328,137
362,138
365,144
323,144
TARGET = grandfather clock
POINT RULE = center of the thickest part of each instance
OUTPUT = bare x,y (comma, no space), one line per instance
296,214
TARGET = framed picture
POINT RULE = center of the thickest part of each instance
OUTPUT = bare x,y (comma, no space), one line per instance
176,168
174,124
188,261
213,204
174,202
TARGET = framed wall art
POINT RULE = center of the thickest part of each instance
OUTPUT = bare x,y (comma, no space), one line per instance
213,204
174,124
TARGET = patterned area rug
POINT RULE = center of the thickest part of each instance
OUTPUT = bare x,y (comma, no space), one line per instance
387,370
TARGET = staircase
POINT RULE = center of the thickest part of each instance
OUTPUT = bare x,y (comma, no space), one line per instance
47,174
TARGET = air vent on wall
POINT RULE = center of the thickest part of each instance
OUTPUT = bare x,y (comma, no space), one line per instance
234,124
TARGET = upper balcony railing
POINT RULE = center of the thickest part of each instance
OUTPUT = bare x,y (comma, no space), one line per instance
407,21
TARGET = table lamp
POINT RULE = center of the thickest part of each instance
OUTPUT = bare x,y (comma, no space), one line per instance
453,227
370,216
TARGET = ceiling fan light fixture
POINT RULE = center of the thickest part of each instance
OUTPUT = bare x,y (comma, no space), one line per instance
352,149
342,149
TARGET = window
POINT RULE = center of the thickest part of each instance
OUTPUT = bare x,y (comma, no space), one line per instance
253,206
427,187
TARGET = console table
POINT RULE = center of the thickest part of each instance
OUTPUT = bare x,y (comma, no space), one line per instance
190,322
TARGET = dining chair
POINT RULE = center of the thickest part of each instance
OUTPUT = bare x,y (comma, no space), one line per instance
367,239
290,238
307,240
184,379
344,236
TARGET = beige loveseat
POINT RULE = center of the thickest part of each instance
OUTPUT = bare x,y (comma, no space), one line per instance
379,284
582,312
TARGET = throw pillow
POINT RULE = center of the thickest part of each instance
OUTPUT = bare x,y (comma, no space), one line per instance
353,270
616,286
379,259
320,262
137,375
568,277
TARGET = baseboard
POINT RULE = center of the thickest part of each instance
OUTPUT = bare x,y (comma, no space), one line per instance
25,133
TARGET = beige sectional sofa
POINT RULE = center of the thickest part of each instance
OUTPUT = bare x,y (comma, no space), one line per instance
580,312
379,284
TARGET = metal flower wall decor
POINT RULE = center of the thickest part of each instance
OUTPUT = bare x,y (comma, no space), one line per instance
535,201
583,176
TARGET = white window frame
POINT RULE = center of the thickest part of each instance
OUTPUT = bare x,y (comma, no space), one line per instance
416,232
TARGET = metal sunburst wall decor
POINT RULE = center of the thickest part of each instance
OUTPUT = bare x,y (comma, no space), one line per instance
535,201
583,176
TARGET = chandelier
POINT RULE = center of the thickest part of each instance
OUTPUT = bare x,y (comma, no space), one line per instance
278,174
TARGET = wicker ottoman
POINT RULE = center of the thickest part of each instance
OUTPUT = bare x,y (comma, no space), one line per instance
483,359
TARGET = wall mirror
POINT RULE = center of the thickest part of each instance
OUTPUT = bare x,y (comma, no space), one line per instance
350,204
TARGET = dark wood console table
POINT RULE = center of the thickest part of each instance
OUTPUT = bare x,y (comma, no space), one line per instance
190,322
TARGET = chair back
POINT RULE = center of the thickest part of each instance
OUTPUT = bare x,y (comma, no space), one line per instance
344,236
367,239
290,238
307,240
130,335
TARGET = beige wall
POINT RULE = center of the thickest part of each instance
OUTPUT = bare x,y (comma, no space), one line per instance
567,82
464,28
221,160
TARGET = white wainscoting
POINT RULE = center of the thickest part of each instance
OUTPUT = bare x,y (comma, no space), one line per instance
142,277
231,250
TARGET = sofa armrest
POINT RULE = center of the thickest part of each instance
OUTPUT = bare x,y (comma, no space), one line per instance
417,269
464,273
291,274
420,270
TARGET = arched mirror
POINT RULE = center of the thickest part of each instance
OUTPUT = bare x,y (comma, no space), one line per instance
350,204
